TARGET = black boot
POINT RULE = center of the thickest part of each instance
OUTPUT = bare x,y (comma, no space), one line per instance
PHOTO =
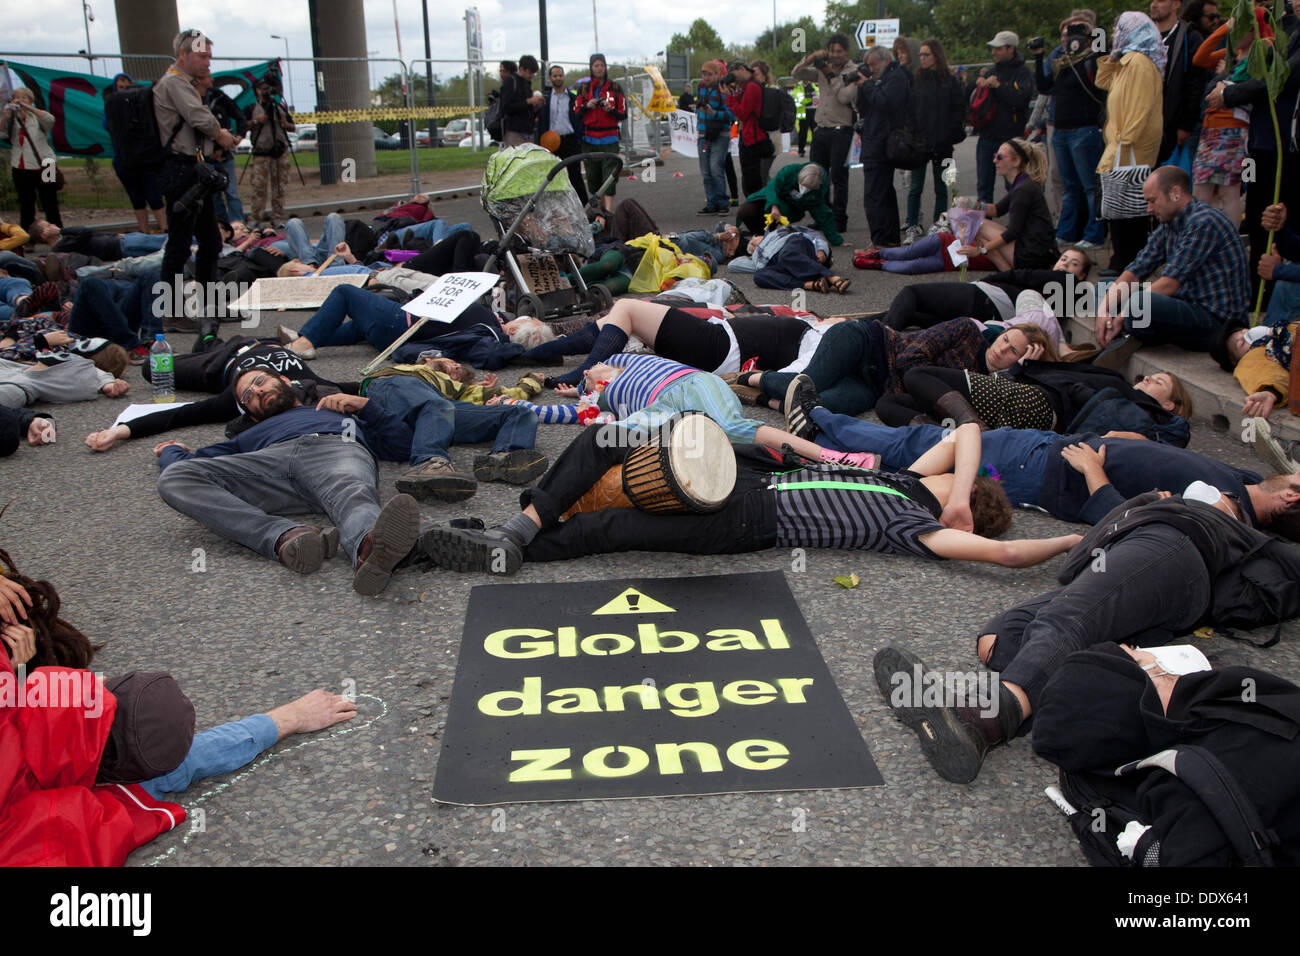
956,407
209,335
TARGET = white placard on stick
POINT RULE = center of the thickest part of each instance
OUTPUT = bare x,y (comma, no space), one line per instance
449,296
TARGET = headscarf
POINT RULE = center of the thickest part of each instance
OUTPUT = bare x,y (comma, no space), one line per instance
1135,31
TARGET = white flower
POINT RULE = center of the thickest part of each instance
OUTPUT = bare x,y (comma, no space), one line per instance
949,174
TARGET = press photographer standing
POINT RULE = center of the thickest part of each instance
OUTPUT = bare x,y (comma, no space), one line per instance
188,132
269,126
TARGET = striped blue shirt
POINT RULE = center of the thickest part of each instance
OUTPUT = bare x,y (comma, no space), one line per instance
641,375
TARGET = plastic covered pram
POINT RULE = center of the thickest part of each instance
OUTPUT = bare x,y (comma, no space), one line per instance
541,226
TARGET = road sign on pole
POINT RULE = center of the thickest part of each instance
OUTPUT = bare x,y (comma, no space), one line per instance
871,32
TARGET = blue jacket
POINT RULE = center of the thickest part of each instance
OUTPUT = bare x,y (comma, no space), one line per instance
383,435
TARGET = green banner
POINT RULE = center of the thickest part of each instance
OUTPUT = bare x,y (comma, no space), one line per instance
76,101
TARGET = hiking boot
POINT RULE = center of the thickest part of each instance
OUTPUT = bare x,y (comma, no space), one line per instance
180,323
911,234
437,478
800,400
389,541
954,406
43,298
302,549
954,748
463,549
517,467
1278,455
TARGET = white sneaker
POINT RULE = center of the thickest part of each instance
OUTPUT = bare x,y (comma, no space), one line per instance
940,225
1086,246
911,234
1277,455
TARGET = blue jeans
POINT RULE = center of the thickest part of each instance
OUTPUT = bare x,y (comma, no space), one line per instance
1018,454
437,422
435,230
119,311
1077,153
1167,320
985,175
229,206
141,244
241,497
1284,304
350,315
215,751
713,157
300,246
18,267
839,370
11,290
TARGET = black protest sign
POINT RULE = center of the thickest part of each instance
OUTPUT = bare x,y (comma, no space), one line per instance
643,687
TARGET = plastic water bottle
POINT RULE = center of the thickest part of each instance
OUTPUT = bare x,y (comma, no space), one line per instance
161,370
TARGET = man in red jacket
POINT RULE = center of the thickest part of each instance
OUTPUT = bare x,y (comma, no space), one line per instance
745,99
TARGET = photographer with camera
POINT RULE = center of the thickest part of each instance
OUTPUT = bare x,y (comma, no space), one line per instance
188,133
833,138
744,97
1077,142
269,125
229,115
26,127
883,94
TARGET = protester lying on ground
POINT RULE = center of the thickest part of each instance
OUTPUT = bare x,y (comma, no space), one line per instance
1260,360
779,501
1157,566
75,380
791,257
459,383
18,297
1033,469
712,345
930,254
17,424
44,338
108,247
1041,392
299,458
992,298
858,362
796,189
120,311
12,237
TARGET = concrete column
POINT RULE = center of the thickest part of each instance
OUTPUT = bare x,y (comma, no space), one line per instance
338,28
147,27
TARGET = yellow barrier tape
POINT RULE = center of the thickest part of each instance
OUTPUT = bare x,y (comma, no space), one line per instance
327,117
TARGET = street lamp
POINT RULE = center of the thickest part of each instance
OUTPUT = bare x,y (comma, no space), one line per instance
87,15
288,80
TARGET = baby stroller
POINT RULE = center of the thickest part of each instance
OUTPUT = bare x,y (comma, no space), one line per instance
541,228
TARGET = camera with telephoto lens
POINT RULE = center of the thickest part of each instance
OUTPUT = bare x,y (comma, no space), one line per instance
1078,37
209,180
1036,45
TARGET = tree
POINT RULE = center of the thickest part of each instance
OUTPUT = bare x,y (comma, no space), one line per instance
700,37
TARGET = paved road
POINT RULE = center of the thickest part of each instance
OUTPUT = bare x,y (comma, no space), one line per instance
244,635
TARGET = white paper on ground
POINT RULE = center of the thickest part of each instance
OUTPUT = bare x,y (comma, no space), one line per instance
139,410
450,296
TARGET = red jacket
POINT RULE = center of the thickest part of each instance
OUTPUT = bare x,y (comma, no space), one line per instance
51,811
599,123
747,107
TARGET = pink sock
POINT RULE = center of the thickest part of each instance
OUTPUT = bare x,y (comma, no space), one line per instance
858,459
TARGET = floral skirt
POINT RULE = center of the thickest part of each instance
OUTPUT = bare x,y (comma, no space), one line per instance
1219,157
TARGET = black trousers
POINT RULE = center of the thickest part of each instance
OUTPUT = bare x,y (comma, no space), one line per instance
29,186
1146,588
880,201
199,222
805,131
571,145
751,165
830,151
1128,236
1258,197
929,303
746,523
453,254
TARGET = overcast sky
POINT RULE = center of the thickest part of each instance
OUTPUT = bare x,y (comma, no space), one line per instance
627,28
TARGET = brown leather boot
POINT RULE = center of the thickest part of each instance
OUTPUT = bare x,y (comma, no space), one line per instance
956,407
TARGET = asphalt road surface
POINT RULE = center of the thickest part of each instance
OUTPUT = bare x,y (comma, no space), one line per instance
244,634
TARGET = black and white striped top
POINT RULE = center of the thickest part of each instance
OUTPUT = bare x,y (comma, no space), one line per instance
855,508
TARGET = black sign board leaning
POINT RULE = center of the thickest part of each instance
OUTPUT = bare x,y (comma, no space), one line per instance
643,687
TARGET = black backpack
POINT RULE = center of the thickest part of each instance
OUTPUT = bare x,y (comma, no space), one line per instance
788,120
770,115
133,127
1105,804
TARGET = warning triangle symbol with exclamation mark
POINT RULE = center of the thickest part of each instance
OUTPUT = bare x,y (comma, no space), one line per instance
633,601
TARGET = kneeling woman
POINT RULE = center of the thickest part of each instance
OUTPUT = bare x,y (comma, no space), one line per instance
1028,241
1042,393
